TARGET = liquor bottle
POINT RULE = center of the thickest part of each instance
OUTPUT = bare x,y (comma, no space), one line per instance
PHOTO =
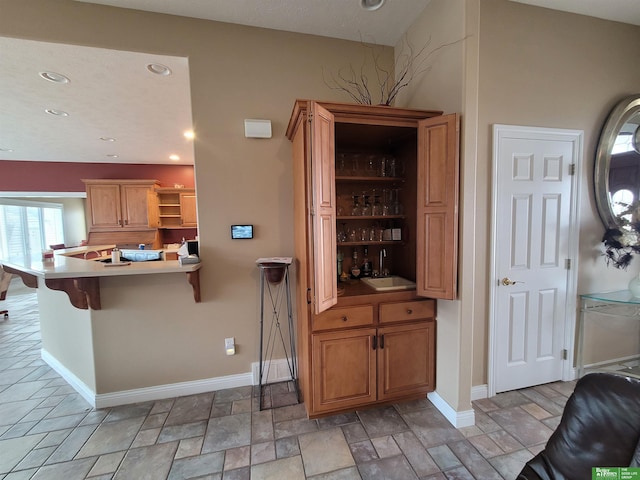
355,265
367,266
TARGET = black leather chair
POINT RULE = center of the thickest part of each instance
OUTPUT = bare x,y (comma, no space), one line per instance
600,427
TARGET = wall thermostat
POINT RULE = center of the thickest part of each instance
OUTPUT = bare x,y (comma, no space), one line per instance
241,231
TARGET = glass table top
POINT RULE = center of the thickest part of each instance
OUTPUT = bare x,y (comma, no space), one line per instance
619,296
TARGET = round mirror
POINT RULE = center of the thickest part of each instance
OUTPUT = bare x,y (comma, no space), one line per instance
617,168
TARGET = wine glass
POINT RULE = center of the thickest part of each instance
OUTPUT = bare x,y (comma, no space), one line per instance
355,209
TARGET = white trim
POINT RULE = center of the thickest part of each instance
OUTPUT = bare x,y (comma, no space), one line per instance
77,384
171,390
276,371
466,418
479,392
137,395
525,132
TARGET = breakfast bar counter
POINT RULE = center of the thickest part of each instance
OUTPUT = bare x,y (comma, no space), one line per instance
80,278
110,331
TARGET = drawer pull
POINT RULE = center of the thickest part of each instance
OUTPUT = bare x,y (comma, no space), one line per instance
409,311
344,318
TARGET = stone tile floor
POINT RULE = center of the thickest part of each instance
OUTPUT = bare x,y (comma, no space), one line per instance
47,431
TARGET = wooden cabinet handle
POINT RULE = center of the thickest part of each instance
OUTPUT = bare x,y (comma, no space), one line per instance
344,318
409,311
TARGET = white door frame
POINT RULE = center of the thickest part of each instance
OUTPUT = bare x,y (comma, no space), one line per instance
534,133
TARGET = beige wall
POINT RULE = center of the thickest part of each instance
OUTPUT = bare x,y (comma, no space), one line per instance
441,27
545,68
236,73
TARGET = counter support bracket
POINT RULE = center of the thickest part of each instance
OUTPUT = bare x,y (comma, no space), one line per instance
29,280
194,279
83,292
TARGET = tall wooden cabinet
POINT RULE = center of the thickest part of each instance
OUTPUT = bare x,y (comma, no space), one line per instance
382,179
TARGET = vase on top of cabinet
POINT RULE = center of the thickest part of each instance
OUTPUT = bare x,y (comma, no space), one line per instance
382,180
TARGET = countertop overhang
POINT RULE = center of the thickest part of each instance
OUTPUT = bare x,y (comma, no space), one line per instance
80,278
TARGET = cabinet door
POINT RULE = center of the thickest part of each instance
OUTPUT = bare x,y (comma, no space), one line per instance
135,206
344,369
103,207
324,207
437,207
406,360
188,213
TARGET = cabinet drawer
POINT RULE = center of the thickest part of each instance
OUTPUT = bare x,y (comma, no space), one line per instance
346,317
404,311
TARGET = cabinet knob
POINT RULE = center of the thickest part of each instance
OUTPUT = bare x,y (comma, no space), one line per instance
344,318
409,311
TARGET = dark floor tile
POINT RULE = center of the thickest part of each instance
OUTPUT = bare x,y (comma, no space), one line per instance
199,466
147,463
190,409
522,426
382,421
227,432
392,468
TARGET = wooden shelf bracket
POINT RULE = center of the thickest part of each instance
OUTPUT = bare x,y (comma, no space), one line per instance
83,292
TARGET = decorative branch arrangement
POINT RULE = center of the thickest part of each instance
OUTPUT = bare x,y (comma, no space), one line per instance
621,245
409,65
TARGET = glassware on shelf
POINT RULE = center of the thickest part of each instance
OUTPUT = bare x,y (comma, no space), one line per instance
341,165
386,201
366,206
355,164
371,169
392,167
396,206
383,169
343,234
376,208
356,210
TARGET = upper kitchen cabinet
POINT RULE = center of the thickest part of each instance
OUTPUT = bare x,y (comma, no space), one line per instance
374,183
115,205
177,208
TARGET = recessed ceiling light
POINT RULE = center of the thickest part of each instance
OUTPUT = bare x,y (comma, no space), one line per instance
371,4
174,157
189,134
54,77
159,69
107,139
6,149
57,113
112,155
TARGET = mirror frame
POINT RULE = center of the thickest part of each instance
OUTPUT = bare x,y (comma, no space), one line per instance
622,112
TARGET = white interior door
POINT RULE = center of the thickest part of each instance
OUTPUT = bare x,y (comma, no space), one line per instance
532,319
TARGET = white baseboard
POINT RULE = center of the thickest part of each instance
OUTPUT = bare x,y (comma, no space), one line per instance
146,394
479,392
171,390
77,384
274,370
465,418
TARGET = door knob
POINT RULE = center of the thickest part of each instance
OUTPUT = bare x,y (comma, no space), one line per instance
506,282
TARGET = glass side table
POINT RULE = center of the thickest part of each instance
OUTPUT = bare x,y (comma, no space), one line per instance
615,317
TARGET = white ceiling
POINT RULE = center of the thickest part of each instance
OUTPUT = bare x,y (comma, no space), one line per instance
111,94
